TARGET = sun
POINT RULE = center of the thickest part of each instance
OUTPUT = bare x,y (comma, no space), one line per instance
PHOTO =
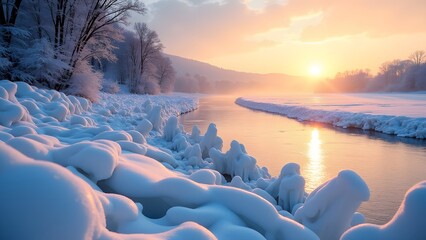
315,70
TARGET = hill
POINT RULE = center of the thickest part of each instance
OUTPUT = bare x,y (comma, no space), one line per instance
196,76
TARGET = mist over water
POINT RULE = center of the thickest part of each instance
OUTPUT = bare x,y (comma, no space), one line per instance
390,165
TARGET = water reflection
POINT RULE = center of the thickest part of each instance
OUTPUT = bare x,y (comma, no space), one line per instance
315,166
389,164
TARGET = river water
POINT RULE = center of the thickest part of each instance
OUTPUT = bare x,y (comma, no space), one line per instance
390,165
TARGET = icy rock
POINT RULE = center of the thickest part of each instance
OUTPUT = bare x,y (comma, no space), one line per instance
408,222
333,204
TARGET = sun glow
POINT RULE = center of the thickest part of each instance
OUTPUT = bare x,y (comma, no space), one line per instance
315,70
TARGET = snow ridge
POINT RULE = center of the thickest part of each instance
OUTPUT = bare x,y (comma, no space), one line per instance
396,125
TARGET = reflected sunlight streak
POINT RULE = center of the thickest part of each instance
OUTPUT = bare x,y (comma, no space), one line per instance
315,166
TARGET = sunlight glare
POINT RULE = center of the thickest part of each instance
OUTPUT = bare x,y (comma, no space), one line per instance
315,166
315,70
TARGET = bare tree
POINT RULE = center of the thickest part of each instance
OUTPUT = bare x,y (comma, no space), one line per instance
149,44
8,14
164,73
134,68
146,47
418,57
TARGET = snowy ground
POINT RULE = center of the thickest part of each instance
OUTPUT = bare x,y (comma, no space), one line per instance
125,169
399,114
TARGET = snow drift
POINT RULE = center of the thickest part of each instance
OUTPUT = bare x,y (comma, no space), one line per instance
125,169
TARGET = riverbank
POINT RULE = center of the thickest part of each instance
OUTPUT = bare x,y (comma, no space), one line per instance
403,115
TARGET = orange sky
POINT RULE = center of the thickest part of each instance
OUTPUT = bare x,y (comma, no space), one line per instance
290,36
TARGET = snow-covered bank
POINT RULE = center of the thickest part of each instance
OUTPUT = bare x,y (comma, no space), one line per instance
125,169
406,118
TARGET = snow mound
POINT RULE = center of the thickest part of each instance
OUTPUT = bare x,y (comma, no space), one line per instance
329,209
44,200
403,126
408,223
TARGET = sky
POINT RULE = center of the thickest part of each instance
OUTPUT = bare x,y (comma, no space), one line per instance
297,37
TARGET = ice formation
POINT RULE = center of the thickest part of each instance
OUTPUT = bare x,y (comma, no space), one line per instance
235,162
70,169
362,118
210,140
289,188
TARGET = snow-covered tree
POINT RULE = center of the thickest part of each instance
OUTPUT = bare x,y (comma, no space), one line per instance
9,11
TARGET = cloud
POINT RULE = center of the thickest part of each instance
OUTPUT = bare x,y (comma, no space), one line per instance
379,18
212,28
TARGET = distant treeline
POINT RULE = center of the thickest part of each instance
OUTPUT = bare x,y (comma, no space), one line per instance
396,76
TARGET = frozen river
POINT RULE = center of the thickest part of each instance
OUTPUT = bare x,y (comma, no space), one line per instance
390,165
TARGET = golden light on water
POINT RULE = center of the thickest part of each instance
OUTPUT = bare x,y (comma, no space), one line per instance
315,166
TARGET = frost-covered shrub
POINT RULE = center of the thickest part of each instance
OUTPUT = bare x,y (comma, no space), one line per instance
110,86
85,82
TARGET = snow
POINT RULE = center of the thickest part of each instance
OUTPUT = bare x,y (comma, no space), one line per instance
329,209
407,223
398,114
123,168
